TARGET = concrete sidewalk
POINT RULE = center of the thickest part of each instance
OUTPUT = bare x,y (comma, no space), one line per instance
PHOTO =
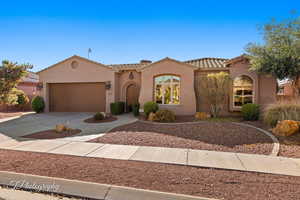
178,156
81,189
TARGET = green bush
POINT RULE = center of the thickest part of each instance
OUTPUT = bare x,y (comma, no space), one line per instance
164,116
99,116
38,104
250,111
117,108
150,107
282,111
136,109
22,98
13,97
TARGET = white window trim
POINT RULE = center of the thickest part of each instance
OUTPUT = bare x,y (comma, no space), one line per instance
163,86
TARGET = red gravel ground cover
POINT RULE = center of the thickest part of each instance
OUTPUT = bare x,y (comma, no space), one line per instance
108,119
178,119
191,118
217,136
52,134
289,146
204,182
9,114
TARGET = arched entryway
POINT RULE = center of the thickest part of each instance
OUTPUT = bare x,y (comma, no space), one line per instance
132,95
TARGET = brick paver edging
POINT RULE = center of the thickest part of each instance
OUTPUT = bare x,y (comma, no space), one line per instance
81,189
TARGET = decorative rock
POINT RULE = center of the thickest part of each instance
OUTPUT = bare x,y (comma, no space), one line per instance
104,114
286,128
202,115
60,128
151,117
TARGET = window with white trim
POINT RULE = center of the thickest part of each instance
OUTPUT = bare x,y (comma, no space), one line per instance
167,89
242,91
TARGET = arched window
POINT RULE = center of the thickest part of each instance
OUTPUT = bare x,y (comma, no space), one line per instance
167,89
242,91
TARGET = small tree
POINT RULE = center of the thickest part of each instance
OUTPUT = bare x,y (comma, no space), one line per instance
215,87
10,75
279,55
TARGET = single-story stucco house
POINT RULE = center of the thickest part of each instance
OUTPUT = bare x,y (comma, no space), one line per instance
77,84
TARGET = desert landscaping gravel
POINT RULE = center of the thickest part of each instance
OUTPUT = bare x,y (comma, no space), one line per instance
203,182
289,146
217,136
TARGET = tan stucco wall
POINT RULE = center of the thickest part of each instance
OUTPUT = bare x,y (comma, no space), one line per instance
85,72
187,95
267,90
124,81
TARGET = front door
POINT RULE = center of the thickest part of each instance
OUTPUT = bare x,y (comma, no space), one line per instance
132,95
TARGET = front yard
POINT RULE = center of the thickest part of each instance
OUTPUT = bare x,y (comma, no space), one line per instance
216,136
203,182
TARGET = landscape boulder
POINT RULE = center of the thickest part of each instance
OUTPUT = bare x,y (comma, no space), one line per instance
286,128
202,115
152,117
60,128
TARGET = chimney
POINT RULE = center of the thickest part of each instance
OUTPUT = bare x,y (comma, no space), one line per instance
145,61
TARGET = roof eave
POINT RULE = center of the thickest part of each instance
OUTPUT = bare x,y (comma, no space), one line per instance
71,57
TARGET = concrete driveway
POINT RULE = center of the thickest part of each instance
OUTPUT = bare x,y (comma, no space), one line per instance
31,123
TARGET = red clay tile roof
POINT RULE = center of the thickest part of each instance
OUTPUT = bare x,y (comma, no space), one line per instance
208,62
199,63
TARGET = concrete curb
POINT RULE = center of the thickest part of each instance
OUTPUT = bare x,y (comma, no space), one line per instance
276,143
81,189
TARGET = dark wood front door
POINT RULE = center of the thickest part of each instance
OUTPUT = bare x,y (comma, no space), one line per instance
132,94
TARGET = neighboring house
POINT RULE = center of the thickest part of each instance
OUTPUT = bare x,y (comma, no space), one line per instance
78,84
285,89
29,84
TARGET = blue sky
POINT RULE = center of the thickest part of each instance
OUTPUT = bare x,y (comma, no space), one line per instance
45,32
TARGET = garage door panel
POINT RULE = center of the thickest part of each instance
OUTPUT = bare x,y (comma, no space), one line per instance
77,97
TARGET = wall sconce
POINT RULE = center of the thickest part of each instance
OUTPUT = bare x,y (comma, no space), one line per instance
107,85
131,76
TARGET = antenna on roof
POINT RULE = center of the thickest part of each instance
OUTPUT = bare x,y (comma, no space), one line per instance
89,51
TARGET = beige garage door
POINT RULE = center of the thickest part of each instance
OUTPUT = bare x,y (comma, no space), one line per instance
77,97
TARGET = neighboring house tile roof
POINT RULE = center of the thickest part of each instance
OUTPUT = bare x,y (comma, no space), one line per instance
208,62
30,78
